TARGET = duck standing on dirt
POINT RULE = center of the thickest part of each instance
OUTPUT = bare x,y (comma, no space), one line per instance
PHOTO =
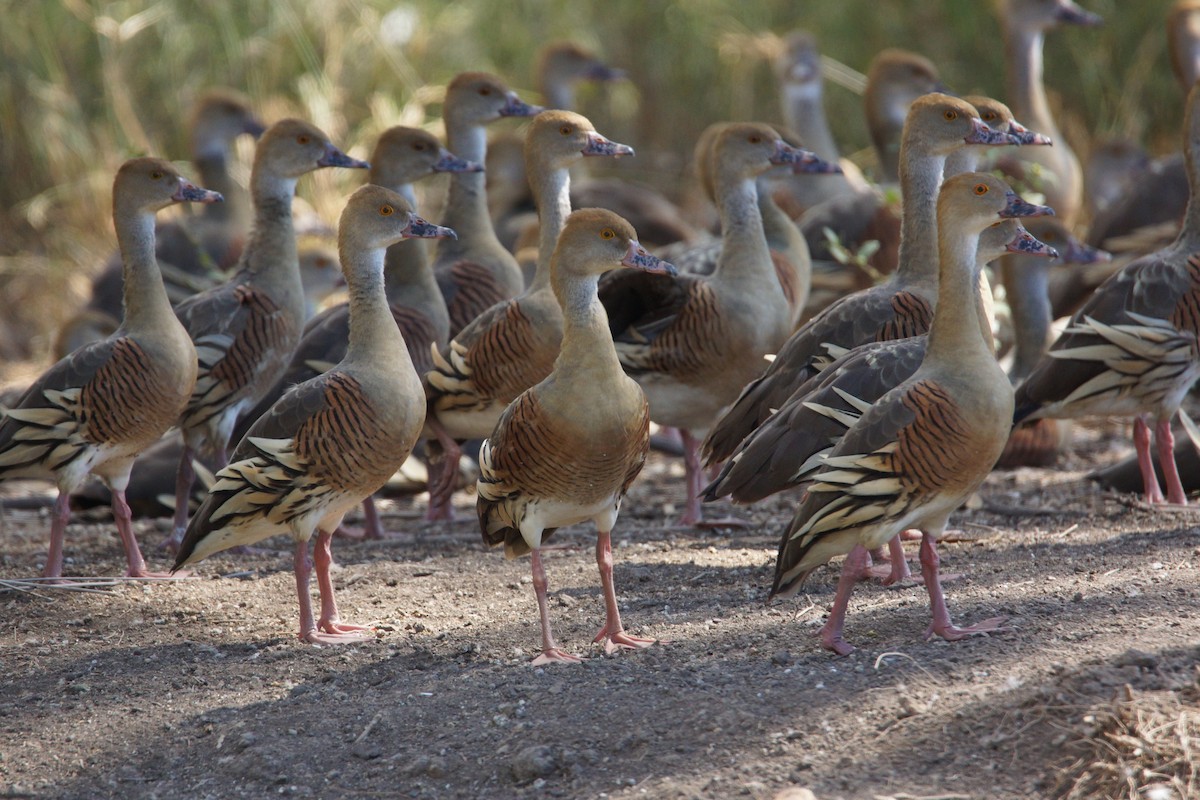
915,455
1134,347
331,441
567,449
97,409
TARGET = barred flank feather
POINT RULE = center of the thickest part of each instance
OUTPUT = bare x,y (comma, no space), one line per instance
470,289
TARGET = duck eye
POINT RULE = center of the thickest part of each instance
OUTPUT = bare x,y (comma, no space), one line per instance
303,138
981,189
418,147
950,115
989,116
485,91
755,139
156,175
608,233
565,130
386,211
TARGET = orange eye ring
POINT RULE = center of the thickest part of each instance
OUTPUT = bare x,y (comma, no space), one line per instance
156,175
565,130
981,189
303,138
950,115
386,211
754,139
608,233
989,116
485,91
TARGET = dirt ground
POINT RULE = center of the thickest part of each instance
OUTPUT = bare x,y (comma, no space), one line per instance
199,689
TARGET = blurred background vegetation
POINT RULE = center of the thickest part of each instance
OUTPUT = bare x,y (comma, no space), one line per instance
89,84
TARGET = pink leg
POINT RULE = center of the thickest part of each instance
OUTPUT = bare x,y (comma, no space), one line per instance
58,532
1165,441
184,478
691,465
443,476
1141,441
302,566
330,621
612,631
133,554
550,652
899,568
831,633
942,625
372,526
692,514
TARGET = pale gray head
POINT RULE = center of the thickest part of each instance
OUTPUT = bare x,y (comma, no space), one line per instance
559,138
596,240
978,200
571,62
150,184
376,217
999,118
405,155
477,98
218,118
748,149
292,147
1042,15
941,124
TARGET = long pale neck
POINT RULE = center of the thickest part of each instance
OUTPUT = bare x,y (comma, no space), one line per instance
780,231
964,159
1026,92
466,202
1190,233
1028,279
146,303
558,93
374,337
957,327
212,169
552,194
920,177
405,267
587,346
270,254
744,251
804,113
406,261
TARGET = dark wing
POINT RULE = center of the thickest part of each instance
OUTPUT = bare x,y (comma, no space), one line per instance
910,446
789,447
85,399
240,334
496,357
323,345
319,440
878,314
1135,336
662,323
469,289
419,335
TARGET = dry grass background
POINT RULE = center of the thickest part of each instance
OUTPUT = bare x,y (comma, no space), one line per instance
89,84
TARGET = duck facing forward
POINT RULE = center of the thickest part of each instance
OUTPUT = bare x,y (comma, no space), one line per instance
550,463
